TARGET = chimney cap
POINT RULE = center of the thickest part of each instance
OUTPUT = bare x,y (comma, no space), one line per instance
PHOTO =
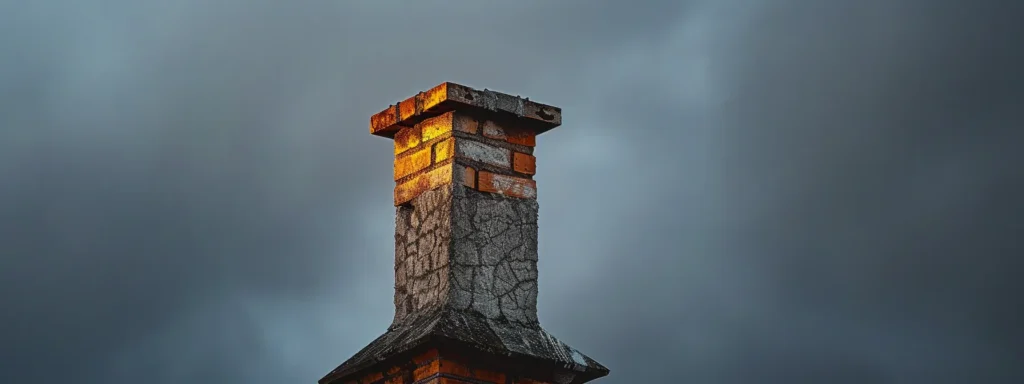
450,96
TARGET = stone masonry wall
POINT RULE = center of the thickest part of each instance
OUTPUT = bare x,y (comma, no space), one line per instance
466,219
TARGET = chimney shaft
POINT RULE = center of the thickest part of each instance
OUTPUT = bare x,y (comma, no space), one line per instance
466,245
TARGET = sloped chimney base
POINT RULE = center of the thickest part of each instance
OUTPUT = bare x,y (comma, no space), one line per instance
518,353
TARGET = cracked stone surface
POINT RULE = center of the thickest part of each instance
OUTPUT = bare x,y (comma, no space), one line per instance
469,251
494,256
466,270
422,243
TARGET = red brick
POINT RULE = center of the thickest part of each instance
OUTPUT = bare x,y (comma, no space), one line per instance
506,185
524,163
415,162
454,368
522,137
449,380
426,370
465,175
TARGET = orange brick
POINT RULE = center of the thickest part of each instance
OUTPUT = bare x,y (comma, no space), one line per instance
407,165
494,131
373,377
449,380
407,108
465,124
435,127
396,380
522,137
423,182
382,122
426,370
524,163
444,150
406,139
506,185
467,175
434,96
394,370
452,367
495,377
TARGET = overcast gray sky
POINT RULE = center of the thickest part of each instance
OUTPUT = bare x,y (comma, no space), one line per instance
743,191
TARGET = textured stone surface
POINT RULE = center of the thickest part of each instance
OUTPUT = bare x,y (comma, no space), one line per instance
494,257
422,242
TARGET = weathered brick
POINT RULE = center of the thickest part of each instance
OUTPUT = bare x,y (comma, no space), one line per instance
506,185
524,163
426,370
381,122
407,108
436,126
449,380
406,139
493,130
422,182
434,96
407,165
464,175
522,137
394,370
464,123
396,380
475,150
444,150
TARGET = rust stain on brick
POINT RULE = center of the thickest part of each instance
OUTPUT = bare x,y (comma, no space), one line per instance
524,163
407,165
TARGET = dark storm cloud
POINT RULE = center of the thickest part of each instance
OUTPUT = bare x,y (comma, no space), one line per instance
742,192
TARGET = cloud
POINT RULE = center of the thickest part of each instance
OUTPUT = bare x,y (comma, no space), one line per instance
742,191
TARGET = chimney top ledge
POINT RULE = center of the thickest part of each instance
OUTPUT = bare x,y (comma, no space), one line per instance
450,96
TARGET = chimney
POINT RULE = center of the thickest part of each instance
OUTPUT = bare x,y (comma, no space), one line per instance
465,247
